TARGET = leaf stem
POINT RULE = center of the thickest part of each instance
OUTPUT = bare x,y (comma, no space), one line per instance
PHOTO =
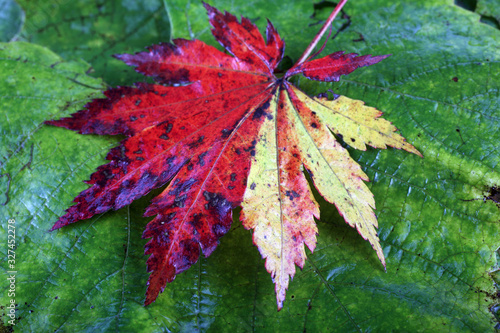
320,34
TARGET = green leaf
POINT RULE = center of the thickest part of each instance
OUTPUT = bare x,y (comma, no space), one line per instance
95,30
489,10
438,219
11,20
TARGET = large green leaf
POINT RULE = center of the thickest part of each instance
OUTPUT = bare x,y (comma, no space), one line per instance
95,30
438,219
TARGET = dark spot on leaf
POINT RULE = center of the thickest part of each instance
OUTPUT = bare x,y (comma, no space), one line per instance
252,187
455,79
218,203
251,149
230,187
233,177
190,167
133,118
123,150
237,151
119,154
292,194
261,110
142,116
314,125
138,152
353,140
139,158
138,102
197,221
201,157
494,195
180,190
147,180
164,137
219,74
171,160
226,133
196,143
179,76
108,174
179,201
169,128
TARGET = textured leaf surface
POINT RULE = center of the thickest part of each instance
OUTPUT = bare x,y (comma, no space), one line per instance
95,30
11,20
439,248
202,138
489,9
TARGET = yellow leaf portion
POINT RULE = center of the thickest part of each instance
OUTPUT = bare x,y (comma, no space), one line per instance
335,174
296,135
278,204
357,123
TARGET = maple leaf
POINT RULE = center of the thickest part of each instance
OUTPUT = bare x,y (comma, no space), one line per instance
225,131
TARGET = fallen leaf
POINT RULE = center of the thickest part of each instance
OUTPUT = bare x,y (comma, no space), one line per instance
225,131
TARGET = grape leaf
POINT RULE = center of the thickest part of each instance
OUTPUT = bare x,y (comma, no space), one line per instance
226,131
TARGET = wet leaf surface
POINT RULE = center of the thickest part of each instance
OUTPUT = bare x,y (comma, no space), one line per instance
228,132
95,30
439,247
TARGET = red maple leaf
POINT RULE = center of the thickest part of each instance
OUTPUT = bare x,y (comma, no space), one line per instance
225,131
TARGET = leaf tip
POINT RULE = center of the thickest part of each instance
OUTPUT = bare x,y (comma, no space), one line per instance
211,10
381,256
57,225
280,306
409,148
149,300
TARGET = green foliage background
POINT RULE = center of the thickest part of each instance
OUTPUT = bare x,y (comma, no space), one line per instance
439,223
